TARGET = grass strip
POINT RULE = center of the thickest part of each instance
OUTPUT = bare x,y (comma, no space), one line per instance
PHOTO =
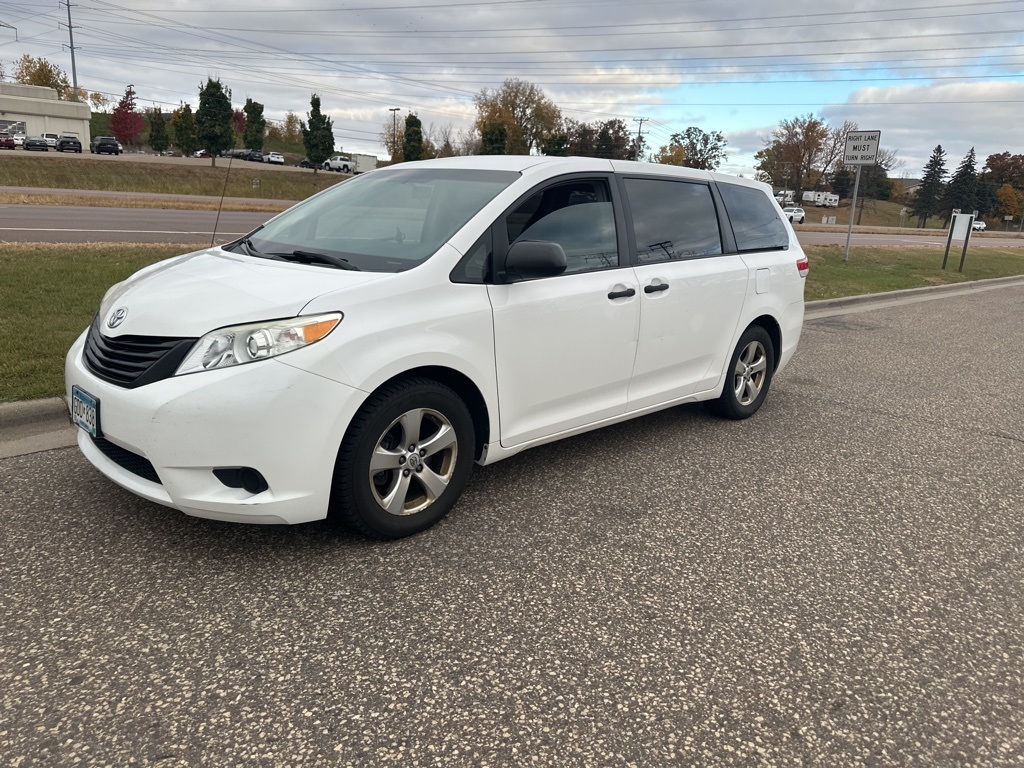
90,201
50,292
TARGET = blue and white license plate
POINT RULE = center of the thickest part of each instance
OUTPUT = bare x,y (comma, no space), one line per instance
85,411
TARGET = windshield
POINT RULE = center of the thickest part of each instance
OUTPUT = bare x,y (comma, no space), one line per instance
387,221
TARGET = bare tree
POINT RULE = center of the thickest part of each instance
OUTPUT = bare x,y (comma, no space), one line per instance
832,149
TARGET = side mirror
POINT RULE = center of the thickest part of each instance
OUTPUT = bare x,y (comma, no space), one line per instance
528,259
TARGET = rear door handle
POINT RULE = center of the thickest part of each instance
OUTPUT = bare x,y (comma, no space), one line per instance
622,294
655,288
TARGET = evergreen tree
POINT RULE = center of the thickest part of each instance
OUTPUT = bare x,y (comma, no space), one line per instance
412,144
492,139
318,137
929,197
158,139
842,183
962,190
255,125
213,119
186,133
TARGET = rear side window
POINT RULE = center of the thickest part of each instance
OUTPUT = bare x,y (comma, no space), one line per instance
755,219
672,220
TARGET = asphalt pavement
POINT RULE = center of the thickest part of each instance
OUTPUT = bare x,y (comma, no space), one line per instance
835,582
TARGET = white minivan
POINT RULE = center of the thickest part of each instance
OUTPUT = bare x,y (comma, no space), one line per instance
355,355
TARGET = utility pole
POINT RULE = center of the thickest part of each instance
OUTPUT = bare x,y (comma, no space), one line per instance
639,134
394,131
71,37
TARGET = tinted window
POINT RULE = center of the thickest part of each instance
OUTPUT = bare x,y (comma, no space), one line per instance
754,217
672,220
386,221
578,216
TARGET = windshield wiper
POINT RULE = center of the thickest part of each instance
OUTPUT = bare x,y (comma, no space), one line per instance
312,257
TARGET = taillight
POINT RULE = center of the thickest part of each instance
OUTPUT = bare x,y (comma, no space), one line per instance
802,266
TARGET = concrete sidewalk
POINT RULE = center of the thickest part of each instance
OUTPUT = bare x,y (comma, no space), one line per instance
42,425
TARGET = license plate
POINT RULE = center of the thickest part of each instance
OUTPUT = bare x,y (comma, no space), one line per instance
85,411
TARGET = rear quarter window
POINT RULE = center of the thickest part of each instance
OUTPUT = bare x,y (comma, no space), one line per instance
755,218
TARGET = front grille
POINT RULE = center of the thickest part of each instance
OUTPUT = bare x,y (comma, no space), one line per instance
137,465
132,361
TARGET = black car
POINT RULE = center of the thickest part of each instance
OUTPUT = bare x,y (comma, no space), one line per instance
254,155
69,144
107,144
307,163
36,143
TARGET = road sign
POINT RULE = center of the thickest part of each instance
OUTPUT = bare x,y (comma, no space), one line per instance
861,147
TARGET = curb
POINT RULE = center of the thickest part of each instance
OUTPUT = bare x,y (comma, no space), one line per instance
890,297
14,415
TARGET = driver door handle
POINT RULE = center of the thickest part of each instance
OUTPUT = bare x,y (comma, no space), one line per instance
622,294
655,288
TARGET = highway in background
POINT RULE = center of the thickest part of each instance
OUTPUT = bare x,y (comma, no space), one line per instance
82,224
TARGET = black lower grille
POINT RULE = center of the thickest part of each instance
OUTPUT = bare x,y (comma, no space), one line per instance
137,465
132,361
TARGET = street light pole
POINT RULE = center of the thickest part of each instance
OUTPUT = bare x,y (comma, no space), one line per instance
394,131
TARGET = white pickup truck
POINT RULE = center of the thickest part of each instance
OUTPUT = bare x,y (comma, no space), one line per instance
354,163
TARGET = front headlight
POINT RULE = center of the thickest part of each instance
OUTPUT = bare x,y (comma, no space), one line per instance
242,344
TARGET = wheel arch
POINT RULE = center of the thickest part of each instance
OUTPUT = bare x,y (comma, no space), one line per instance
464,387
774,331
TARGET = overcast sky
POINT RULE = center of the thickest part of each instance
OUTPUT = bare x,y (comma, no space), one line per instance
922,73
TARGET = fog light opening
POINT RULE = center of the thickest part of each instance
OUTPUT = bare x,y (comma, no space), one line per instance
246,478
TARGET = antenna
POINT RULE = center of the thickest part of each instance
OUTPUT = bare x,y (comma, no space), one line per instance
220,205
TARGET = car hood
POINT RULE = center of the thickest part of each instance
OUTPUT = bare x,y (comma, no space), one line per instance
199,292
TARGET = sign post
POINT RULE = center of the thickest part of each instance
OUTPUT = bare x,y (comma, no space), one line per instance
861,149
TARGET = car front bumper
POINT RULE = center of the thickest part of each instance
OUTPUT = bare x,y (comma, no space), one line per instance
282,421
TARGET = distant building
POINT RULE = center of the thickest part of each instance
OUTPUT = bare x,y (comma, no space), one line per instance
33,110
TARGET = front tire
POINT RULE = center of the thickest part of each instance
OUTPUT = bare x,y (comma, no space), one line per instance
405,459
749,376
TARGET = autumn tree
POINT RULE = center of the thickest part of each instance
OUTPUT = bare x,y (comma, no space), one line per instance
317,134
213,119
255,125
671,154
392,136
158,138
186,133
1009,202
1005,168
238,126
962,190
126,121
701,150
930,192
38,71
526,113
292,128
794,150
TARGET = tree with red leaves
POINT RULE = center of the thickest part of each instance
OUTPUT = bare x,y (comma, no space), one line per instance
126,122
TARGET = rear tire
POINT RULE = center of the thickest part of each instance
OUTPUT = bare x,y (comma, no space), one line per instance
405,459
749,376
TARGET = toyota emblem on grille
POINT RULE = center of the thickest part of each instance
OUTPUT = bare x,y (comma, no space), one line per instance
117,317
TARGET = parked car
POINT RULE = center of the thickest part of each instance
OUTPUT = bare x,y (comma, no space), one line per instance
200,153
69,144
274,157
37,143
104,144
394,329
979,225
19,139
795,215
51,140
307,163
7,141
253,155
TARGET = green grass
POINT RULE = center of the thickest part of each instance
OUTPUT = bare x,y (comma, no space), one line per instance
877,270
19,170
49,293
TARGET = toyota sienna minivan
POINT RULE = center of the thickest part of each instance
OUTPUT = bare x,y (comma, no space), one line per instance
355,355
